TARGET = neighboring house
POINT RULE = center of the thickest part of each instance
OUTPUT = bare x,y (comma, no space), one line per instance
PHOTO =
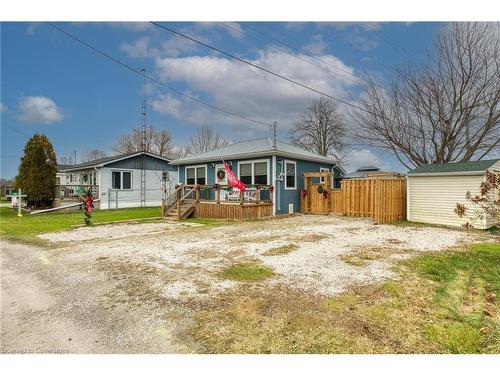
116,180
371,172
61,174
433,191
259,162
6,188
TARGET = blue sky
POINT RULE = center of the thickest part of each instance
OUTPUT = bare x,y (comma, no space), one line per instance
80,100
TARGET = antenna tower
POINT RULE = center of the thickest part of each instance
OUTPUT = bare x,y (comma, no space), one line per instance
143,143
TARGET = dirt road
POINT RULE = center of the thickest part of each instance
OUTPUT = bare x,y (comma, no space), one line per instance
49,306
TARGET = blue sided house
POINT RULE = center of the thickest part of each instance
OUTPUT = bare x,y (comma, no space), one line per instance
271,171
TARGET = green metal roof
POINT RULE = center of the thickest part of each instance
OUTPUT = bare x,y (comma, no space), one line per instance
466,166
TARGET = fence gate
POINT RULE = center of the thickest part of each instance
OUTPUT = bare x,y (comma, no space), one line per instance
316,193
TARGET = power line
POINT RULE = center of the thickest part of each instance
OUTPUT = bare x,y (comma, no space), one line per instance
277,74
307,60
152,79
288,45
254,65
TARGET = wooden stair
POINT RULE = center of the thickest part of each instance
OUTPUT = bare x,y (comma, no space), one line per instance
187,207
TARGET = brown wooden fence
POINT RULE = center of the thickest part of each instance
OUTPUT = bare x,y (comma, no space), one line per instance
384,200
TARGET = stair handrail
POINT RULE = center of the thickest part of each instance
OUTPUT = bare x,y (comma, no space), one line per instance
169,202
180,213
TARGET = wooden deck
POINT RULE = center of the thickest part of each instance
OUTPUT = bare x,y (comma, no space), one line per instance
205,201
233,211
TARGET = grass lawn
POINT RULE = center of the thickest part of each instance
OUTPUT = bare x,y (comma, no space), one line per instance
27,227
442,303
247,272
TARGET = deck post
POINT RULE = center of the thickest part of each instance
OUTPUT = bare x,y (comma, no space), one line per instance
197,195
217,194
241,198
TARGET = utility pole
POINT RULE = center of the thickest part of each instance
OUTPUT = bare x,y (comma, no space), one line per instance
143,142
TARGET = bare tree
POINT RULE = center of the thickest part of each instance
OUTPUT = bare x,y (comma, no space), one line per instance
93,154
321,128
205,139
65,160
446,111
157,142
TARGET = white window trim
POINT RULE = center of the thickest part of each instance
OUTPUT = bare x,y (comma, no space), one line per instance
121,179
253,168
218,166
322,180
195,172
295,176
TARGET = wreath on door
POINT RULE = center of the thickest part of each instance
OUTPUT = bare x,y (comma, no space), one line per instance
221,174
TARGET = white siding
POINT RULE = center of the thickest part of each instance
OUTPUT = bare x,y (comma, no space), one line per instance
132,198
432,199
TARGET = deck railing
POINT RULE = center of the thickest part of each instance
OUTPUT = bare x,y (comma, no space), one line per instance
226,193
74,191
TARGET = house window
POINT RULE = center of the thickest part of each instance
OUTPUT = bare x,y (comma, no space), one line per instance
322,179
121,180
254,172
165,176
246,173
190,176
127,180
196,175
260,173
290,175
201,177
116,182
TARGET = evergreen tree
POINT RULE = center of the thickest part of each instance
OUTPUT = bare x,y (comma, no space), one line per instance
37,171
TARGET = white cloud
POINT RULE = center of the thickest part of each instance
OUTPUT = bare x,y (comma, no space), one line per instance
3,108
360,41
365,26
316,47
364,157
131,26
232,28
174,46
242,89
140,48
39,109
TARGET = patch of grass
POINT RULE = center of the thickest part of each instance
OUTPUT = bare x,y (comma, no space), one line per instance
360,257
441,303
27,227
281,250
206,222
247,272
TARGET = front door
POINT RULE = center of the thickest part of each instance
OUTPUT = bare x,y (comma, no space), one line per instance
221,179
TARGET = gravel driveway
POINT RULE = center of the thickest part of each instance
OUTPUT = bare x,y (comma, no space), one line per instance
131,288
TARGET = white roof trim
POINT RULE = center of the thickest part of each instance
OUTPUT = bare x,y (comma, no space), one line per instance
258,154
100,165
461,173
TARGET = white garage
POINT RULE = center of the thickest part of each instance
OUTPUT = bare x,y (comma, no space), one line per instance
433,191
